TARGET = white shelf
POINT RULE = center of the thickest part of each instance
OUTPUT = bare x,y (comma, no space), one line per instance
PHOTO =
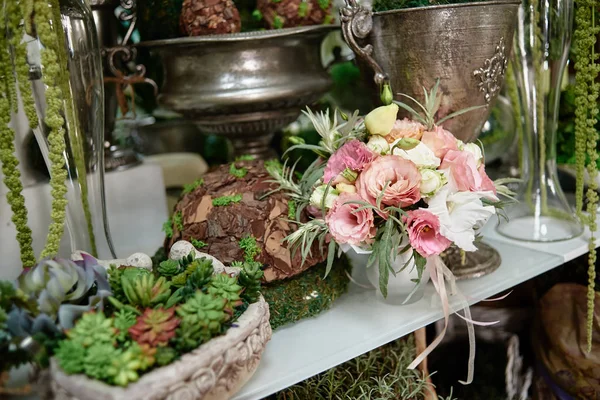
358,323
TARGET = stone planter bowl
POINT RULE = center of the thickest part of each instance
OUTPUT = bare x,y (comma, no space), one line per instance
216,370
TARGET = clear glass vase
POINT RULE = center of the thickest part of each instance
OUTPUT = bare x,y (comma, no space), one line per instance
52,88
541,47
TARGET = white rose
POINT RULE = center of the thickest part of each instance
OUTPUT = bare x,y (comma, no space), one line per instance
421,155
345,188
431,182
476,151
378,144
316,198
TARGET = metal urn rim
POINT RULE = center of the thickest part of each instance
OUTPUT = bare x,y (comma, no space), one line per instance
239,37
443,6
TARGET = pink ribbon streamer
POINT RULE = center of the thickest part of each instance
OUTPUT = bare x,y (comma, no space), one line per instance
440,274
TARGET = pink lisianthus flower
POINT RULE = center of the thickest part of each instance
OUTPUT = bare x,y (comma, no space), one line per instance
424,233
401,176
464,175
405,128
440,141
353,155
349,225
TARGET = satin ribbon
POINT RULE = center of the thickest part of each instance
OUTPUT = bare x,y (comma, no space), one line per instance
440,274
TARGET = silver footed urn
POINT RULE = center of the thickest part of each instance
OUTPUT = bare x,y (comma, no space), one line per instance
244,86
466,46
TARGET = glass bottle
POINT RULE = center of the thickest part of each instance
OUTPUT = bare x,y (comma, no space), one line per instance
541,47
54,86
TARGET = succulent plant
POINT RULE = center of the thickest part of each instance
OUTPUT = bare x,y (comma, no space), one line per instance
189,268
145,290
202,317
155,327
250,277
169,268
58,281
165,355
145,354
225,286
97,360
124,368
70,356
123,320
186,260
179,280
202,273
93,328
114,280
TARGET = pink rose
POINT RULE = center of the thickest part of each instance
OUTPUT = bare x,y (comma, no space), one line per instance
401,176
353,155
463,173
405,128
347,224
424,233
440,141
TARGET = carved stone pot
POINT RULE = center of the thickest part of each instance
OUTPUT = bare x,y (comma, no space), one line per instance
214,371
466,46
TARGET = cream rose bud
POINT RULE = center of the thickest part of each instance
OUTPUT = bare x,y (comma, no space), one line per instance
431,182
345,188
381,120
421,155
316,198
476,151
378,144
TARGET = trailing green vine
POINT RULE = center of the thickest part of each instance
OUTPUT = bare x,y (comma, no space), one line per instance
54,121
586,136
12,175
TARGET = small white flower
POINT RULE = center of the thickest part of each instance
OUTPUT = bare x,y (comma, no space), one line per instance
378,144
381,120
460,144
431,182
316,198
460,214
421,155
345,188
476,151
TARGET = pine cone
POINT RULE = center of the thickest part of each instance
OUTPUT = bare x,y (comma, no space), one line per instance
291,13
209,17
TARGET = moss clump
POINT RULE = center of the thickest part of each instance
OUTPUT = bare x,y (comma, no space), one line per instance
178,220
199,244
190,187
167,228
287,298
250,247
378,374
237,172
226,200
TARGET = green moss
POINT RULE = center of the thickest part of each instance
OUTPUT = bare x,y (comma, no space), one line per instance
302,9
190,187
237,172
288,299
277,22
178,220
292,210
250,247
379,374
226,200
324,4
167,228
246,157
199,244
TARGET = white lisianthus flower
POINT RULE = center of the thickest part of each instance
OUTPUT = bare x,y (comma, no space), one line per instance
460,214
378,144
316,198
421,155
381,120
431,182
345,188
476,151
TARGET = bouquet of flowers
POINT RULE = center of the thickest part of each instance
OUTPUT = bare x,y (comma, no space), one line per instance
392,187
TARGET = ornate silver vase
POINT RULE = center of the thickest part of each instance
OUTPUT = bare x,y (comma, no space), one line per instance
244,86
466,46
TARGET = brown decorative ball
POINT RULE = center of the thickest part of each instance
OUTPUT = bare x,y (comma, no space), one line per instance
222,224
209,17
291,13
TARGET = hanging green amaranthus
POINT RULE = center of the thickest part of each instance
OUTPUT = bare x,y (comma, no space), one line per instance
12,175
586,136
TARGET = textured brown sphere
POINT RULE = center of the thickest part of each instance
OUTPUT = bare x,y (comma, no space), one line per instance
209,17
222,227
291,13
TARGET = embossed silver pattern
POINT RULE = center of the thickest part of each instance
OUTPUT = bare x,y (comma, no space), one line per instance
491,75
414,47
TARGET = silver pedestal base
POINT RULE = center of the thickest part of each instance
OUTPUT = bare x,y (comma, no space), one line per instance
478,263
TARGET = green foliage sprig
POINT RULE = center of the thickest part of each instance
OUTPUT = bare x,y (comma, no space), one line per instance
250,247
190,187
199,244
237,172
167,228
586,136
226,200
